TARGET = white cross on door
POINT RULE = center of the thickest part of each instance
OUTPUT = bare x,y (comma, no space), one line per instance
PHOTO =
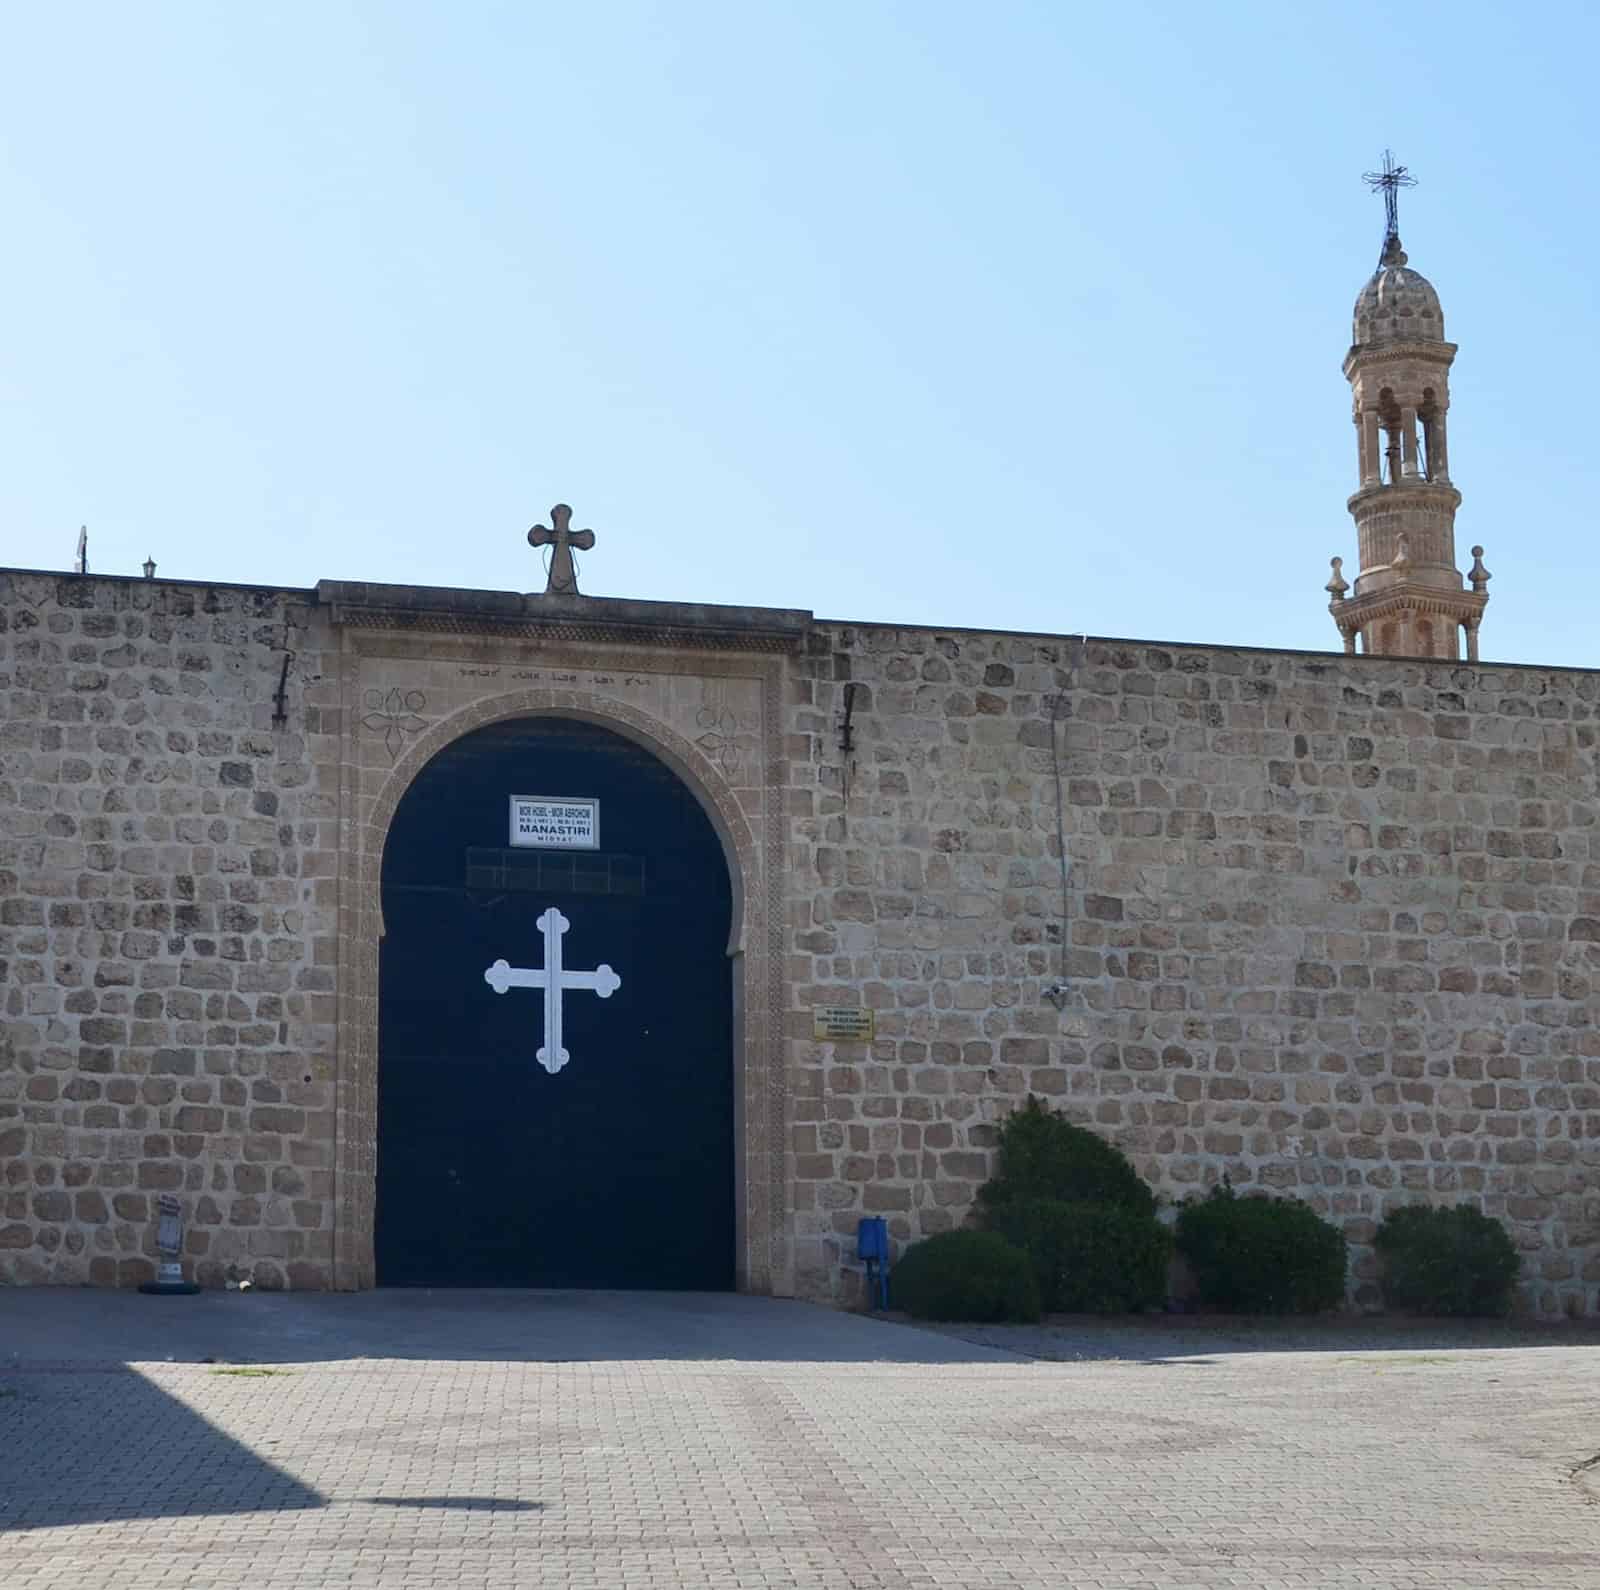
554,979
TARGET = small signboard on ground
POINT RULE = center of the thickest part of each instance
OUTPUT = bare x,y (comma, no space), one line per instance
555,822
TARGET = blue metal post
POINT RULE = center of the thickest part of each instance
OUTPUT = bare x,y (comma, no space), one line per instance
872,1248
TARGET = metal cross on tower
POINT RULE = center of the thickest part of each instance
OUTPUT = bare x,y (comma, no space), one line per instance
1388,182
554,979
563,578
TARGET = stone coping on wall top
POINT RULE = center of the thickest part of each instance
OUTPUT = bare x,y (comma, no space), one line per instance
259,587
579,617
786,627
1308,653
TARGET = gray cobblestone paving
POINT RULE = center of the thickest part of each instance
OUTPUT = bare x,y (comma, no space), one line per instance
635,1441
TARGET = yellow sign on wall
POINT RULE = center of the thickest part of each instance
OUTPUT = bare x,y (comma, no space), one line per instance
843,1024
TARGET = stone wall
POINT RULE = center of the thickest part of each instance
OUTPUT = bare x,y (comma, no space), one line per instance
167,877
1332,925
1333,928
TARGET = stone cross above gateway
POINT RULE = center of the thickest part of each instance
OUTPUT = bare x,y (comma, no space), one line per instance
559,535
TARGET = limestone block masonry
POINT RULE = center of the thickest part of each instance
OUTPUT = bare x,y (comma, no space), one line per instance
1331,924
1332,928
167,947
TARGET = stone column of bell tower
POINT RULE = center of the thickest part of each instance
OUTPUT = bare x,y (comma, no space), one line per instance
1409,600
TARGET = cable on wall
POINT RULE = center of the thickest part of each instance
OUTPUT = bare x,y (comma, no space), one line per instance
1060,991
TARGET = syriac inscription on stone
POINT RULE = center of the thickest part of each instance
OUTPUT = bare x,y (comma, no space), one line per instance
566,822
562,677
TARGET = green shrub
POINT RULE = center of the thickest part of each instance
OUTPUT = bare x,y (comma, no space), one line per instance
1447,1261
1262,1255
1088,1258
1043,1155
966,1275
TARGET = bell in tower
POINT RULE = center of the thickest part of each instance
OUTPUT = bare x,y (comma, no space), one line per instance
1409,599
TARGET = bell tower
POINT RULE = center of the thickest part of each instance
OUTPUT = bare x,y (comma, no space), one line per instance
1409,600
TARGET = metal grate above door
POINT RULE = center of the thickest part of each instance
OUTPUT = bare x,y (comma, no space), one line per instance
554,871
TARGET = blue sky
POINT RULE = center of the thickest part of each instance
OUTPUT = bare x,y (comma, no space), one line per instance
1015,315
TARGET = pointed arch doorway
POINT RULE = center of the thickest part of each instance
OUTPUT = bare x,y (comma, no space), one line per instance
615,1166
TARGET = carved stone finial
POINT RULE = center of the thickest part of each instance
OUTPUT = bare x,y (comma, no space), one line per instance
1479,575
1338,585
562,538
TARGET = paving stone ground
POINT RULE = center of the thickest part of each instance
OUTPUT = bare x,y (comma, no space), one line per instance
641,1441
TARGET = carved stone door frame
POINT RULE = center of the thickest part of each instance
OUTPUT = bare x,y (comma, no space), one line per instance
713,715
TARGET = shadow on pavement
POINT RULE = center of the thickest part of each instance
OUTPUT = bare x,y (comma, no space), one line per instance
41,1325
1198,1341
85,1437
86,1447
85,1326
463,1504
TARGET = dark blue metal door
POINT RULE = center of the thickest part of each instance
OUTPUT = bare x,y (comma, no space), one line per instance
616,1170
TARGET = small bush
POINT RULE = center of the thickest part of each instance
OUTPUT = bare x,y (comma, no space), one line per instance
1447,1261
966,1275
1088,1258
1043,1155
1262,1255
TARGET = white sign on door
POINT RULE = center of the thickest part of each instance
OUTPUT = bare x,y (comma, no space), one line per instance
560,822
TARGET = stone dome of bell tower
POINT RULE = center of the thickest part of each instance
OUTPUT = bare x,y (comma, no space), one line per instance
1409,599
